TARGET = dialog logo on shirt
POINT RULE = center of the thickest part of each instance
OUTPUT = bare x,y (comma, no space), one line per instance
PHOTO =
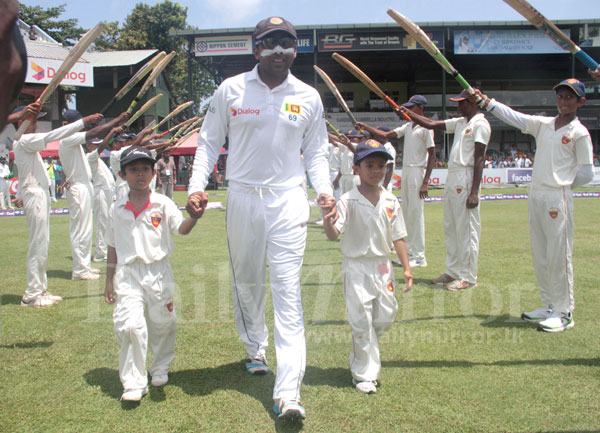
553,212
241,111
292,108
565,139
156,218
389,211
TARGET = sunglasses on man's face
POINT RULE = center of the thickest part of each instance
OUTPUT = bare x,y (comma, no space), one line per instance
271,43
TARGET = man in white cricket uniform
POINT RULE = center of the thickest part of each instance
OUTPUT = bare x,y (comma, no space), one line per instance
334,161
104,184
4,190
119,146
269,116
35,195
80,192
348,179
563,161
462,222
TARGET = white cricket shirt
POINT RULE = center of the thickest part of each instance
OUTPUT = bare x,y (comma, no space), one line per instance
466,134
333,158
101,176
72,157
416,142
115,164
31,167
347,162
369,230
267,128
149,236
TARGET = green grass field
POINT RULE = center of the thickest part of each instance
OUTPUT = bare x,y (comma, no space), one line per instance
453,362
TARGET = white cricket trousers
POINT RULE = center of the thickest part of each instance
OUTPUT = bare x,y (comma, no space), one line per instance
36,204
4,194
265,222
551,235
79,200
149,287
462,226
103,198
369,292
412,211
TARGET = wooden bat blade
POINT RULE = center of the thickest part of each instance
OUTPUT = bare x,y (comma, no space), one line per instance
174,113
333,88
144,107
74,55
137,77
155,72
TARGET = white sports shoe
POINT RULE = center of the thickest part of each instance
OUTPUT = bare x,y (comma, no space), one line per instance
86,276
557,322
99,259
290,410
134,394
52,297
537,315
442,279
257,366
94,270
366,387
40,301
422,263
160,379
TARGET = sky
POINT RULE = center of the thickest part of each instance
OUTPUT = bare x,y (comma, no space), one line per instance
219,14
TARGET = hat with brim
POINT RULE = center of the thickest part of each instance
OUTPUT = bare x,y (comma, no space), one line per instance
22,107
415,100
136,153
368,148
460,97
355,134
574,84
273,24
71,116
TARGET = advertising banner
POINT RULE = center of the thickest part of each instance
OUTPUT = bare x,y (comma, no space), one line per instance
222,45
373,41
41,71
305,43
505,42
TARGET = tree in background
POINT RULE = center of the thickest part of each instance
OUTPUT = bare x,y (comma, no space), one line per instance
66,32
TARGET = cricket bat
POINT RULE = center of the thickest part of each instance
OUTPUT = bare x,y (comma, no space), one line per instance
174,113
364,78
137,77
419,35
532,15
144,107
333,88
155,72
74,55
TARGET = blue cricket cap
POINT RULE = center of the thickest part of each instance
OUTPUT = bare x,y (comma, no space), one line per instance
415,100
574,84
369,147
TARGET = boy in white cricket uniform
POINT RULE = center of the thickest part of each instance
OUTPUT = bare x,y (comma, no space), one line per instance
104,184
269,117
118,147
462,222
563,161
140,241
371,220
35,195
80,192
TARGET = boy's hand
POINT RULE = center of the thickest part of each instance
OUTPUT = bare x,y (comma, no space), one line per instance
408,281
109,293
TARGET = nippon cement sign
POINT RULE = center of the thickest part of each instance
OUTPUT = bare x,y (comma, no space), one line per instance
41,71
222,45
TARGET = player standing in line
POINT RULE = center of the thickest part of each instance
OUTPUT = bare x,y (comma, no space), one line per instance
121,143
462,222
269,117
371,220
104,185
417,164
80,192
347,178
139,275
563,161
34,196
4,188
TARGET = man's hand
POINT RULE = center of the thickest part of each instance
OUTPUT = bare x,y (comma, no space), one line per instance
423,191
32,110
18,202
595,74
328,207
124,117
92,119
109,293
360,126
196,204
400,111
472,201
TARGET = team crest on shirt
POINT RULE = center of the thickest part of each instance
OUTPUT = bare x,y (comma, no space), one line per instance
156,218
467,131
170,305
553,212
458,189
389,211
292,108
390,286
565,139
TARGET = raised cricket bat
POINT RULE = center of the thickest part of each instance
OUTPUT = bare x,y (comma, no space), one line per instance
144,107
74,54
179,125
174,113
137,77
364,78
335,131
155,72
532,15
333,88
419,35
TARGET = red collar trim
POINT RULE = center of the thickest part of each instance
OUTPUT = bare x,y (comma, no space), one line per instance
136,212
